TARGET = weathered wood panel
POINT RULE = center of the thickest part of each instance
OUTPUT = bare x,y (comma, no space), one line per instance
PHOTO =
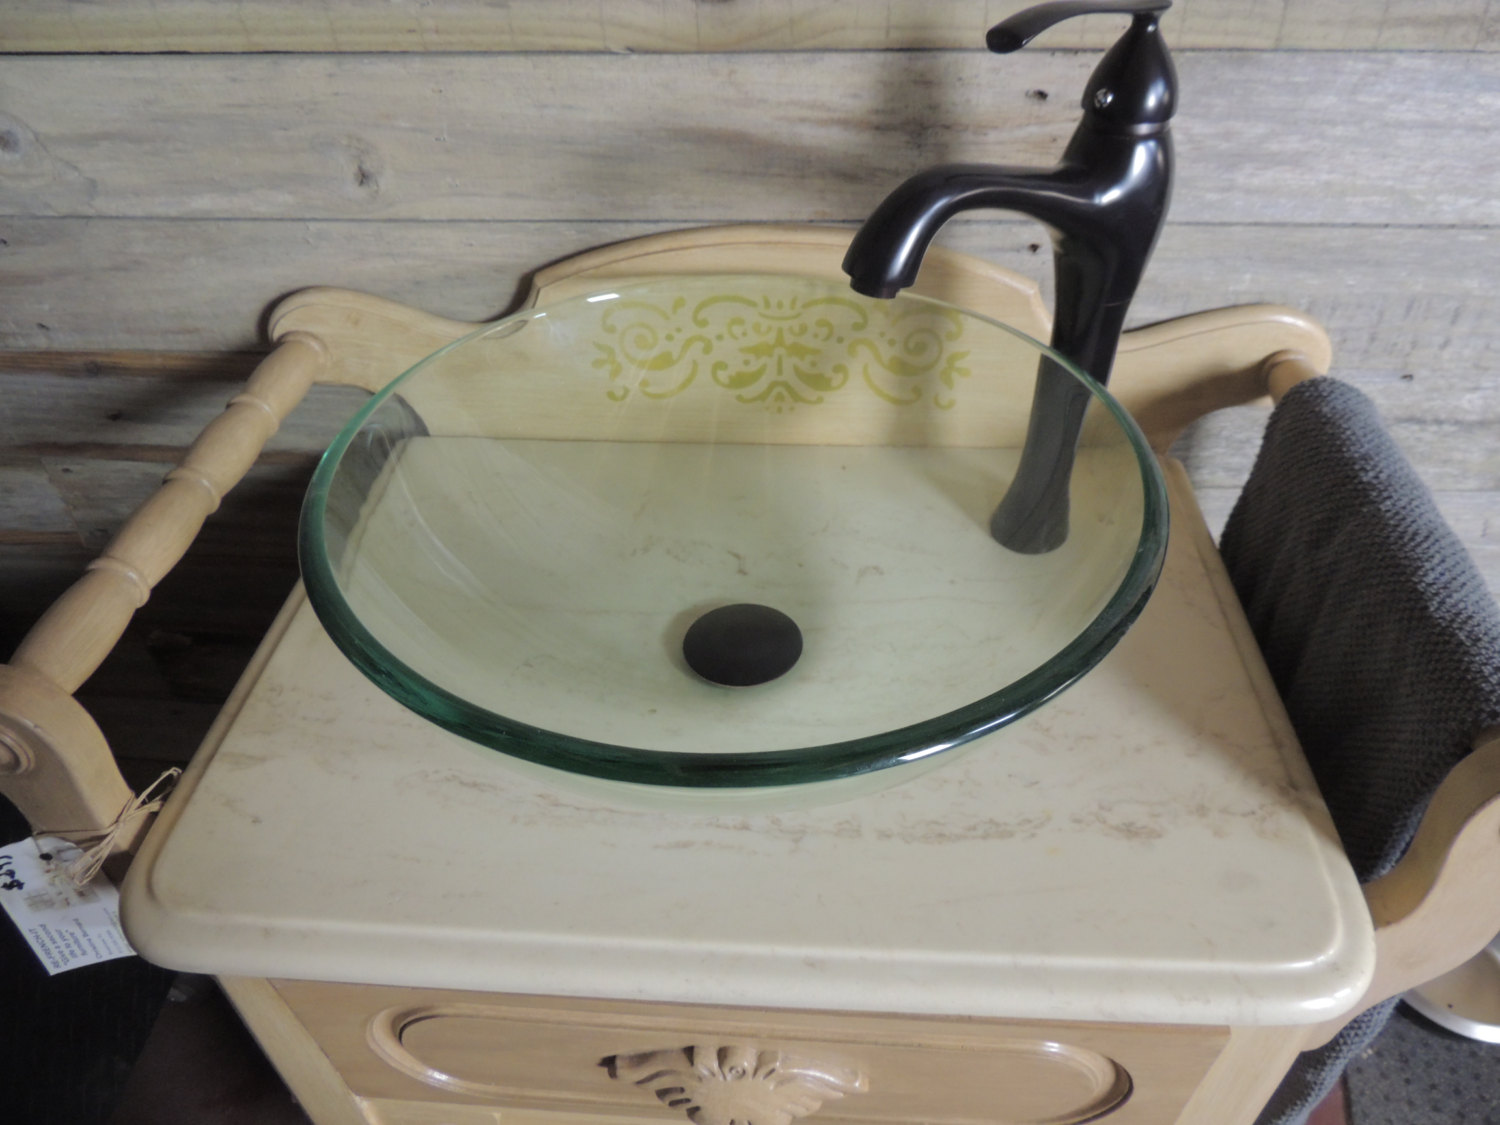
146,406
186,285
703,25
31,510
1417,301
1283,137
1450,449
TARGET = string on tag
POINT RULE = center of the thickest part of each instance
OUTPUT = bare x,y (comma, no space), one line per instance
100,844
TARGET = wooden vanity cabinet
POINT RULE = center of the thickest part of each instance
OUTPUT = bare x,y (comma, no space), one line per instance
425,1056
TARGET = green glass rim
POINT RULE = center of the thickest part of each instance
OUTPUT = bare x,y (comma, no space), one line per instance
743,769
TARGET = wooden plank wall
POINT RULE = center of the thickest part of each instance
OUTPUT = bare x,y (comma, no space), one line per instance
168,168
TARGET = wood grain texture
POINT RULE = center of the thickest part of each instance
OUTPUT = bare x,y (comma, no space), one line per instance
318,1088
31,510
1401,301
1243,1077
1417,332
539,1053
1451,451
685,25
144,406
1263,136
55,764
98,493
129,290
79,629
74,795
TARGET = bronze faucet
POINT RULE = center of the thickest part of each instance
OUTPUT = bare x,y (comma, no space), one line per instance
1103,204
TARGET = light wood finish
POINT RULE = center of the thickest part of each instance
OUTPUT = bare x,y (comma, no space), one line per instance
544,1054
1440,905
806,251
743,1080
59,771
299,1060
375,339
1243,1077
682,25
71,639
1171,374
394,1111
1168,374
1285,370
55,765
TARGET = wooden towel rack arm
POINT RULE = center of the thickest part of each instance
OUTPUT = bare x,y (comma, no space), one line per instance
55,764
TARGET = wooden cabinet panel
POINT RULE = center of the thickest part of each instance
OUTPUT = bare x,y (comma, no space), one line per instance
401,1048
399,1111
588,1058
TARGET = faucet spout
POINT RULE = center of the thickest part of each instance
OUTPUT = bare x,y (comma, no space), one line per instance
887,251
1103,206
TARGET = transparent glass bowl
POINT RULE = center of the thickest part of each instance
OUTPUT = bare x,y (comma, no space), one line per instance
514,537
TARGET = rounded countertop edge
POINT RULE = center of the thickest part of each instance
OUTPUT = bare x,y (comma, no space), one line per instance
1305,994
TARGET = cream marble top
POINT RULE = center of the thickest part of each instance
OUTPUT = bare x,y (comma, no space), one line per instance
1147,847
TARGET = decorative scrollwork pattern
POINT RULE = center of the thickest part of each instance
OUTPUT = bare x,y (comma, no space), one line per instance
781,350
735,1085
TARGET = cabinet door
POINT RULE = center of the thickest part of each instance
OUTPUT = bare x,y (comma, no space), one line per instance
628,1061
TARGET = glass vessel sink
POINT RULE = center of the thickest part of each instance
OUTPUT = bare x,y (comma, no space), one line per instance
516,537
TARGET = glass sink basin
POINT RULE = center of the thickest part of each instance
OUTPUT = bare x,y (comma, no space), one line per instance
514,538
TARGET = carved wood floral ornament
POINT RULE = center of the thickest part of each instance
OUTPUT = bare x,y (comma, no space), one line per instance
735,1085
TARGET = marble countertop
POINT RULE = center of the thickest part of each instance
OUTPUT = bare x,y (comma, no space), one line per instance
1149,846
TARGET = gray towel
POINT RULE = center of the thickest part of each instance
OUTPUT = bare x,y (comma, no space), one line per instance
1379,633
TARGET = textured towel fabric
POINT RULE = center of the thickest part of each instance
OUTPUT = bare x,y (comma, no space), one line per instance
1379,633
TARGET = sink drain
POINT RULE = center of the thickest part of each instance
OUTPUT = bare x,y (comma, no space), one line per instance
742,645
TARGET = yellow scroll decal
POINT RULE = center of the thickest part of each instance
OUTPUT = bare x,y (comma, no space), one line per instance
782,351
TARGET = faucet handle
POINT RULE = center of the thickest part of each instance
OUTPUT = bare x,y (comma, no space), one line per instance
1134,89
1020,28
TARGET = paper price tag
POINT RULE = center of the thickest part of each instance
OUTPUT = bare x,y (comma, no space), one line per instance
66,926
